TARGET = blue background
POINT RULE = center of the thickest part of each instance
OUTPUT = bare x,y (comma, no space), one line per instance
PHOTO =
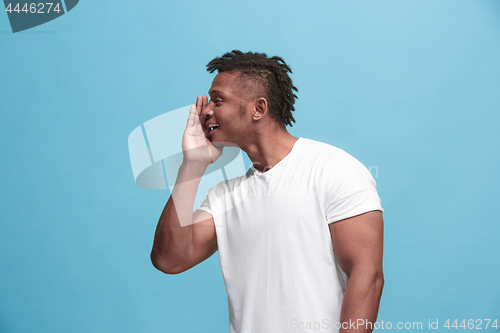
408,86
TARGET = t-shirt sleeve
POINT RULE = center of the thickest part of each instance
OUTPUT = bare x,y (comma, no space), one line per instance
205,205
350,189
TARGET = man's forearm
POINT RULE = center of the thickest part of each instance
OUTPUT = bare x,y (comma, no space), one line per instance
361,302
173,235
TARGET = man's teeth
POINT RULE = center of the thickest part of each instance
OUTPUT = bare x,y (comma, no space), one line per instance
213,127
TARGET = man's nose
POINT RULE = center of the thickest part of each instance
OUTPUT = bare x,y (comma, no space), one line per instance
208,111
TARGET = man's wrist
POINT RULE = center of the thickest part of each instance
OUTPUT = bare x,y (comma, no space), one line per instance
194,168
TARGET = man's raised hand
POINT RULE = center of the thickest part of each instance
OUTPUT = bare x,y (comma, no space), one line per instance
196,146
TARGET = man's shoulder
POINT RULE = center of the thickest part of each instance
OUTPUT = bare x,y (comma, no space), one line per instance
341,173
226,185
326,151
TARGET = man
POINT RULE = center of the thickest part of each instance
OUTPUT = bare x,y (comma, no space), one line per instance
299,236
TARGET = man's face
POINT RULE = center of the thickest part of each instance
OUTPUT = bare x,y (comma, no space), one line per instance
228,109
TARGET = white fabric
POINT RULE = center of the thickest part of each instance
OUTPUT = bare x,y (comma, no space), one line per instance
275,248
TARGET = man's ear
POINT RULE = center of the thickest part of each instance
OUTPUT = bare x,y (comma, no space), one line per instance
260,109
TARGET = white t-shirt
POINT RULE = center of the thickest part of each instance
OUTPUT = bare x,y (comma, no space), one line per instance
274,243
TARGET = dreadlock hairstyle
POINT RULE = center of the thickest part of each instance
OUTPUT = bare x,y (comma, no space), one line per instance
267,76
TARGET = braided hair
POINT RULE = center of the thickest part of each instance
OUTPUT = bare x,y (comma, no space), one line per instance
267,77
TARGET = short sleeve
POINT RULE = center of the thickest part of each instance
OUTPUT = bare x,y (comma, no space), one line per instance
205,205
350,189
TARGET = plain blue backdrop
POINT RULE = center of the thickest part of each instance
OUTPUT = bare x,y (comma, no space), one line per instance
408,87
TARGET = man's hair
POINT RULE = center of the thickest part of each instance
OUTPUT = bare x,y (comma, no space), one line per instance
262,77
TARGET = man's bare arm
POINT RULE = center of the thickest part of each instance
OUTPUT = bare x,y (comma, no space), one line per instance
358,246
184,239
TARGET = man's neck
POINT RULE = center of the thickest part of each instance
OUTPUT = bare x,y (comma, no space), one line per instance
267,150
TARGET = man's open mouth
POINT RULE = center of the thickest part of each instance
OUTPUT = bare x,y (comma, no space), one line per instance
213,128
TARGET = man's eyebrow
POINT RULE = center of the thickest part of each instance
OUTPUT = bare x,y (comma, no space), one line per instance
214,92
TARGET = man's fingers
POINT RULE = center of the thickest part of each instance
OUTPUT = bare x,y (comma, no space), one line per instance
199,105
194,118
192,115
204,104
